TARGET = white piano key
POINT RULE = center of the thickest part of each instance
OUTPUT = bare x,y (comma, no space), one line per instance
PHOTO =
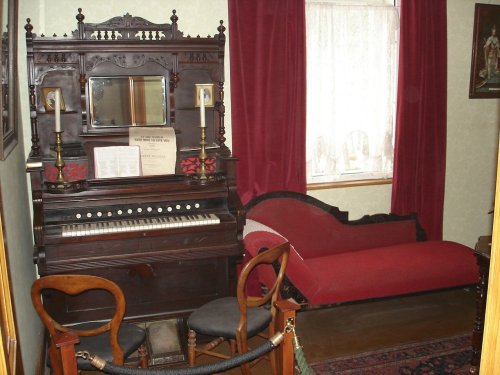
214,219
139,224
92,228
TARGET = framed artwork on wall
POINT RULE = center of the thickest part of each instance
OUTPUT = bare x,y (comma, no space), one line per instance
485,67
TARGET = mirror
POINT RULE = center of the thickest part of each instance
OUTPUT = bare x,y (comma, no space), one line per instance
123,101
8,97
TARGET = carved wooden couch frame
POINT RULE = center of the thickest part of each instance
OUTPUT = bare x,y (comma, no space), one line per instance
335,260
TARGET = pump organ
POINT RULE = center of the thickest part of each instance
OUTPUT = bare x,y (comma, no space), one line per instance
170,241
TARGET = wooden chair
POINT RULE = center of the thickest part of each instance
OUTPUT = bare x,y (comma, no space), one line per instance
236,319
110,340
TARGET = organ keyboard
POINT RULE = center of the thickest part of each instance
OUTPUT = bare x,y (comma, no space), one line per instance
86,229
153,236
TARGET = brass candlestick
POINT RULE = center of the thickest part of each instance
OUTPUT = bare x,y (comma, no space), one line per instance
202,176
60,185
59,164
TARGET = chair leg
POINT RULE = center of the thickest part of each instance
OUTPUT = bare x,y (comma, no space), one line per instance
143,357
55,360
232,346
243,348
191,347
245,369
273,361
273,357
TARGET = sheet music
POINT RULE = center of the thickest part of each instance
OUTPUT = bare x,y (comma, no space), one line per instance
117,161
158,149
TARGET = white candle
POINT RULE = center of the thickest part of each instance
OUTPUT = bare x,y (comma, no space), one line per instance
202,108
57,110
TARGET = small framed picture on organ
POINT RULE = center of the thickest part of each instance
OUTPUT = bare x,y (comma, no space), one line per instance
49,98
208,92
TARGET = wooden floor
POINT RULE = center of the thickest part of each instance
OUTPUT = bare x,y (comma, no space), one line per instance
358,327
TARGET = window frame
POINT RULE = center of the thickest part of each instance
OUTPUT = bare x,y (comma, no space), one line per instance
362,181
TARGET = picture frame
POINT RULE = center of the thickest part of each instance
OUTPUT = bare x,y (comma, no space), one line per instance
485,64
48,98
209,94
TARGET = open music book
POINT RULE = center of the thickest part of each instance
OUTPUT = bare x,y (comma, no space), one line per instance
151,151
117,161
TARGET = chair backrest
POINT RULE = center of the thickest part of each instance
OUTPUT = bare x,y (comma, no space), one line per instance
273,293
73,285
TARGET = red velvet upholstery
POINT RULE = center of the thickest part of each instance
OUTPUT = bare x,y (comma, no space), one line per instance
331,262
309,227
390,270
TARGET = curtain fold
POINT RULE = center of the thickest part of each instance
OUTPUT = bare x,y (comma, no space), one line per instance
268,106
420,145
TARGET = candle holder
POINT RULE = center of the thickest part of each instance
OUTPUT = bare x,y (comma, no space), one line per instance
202,173
202,176
60,185
59,164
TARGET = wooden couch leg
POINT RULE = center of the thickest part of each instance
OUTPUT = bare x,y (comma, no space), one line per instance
191,347
143,357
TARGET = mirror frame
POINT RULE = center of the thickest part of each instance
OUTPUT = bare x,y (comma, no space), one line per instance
106,127
9,93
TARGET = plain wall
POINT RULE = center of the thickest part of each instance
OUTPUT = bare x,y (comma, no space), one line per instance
472,146
19,245
472,136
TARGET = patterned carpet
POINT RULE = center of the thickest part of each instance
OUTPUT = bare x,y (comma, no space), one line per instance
444,356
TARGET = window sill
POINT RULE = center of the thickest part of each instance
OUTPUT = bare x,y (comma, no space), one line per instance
345,184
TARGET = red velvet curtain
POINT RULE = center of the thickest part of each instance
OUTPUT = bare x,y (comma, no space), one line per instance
268,94
420,147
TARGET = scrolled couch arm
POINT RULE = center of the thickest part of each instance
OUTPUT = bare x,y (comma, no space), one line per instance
257,236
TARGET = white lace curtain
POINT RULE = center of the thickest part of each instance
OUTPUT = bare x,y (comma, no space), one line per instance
351,82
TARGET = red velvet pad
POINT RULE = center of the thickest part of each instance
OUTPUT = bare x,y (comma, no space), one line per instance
315,232
386,271
374,272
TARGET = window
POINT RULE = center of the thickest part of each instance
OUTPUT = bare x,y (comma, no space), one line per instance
352,54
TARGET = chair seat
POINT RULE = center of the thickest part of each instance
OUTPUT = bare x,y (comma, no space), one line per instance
130,338
220,317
